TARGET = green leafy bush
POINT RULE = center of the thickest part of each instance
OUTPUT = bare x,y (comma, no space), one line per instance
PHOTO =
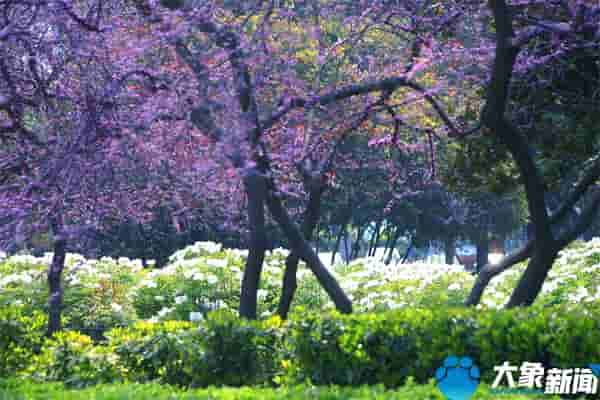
237,352
21,336
223,350
73,359
156,351
389,347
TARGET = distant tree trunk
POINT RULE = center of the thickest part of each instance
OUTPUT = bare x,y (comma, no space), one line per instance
55,289
347,249
375,242
311,218
341,233
408,249
256,189
356,246
306,253
449,250
483,249
389,232
372,240
392,246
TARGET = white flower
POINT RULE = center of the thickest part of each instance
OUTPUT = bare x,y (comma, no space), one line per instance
116,307
371,284
215,262
211,279
181,299
196,316
151,284
261,293
219,304
164,311
454,286
197,276
123,260
209,247
159,298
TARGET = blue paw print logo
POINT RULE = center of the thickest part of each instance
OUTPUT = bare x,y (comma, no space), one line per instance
458,378
595,369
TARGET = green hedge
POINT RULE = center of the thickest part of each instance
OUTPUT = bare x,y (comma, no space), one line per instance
25,390
383,348
21,336
388,347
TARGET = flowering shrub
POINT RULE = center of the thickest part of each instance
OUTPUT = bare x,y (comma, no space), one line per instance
106,293
97,292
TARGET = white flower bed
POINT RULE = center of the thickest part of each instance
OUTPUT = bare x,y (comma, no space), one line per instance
205,276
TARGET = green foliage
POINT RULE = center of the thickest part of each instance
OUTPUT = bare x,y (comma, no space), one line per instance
156,351
72,358
21,336
223,350
24,390
479,164
390,347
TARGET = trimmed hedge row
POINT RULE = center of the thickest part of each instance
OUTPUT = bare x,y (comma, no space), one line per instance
26,390
336,349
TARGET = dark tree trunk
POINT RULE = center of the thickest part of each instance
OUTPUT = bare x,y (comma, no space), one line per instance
311,218
533,278
306,253
386,247
356,246
490,271
55,292
347,249
392,246
449,250
256,189
483,249
375,239
341,233
408,249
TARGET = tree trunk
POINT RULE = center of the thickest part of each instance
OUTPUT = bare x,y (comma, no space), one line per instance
356,246
347,249
386,247
341,233
375,240
449,250
490,271
55,293
483,249
392,246
306,253
408,249
256,189
311,218
533,278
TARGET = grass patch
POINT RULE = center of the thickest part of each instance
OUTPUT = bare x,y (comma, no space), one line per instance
15,389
